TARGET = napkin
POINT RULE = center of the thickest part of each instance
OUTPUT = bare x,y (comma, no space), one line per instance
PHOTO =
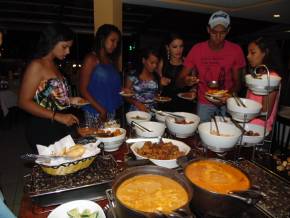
91,149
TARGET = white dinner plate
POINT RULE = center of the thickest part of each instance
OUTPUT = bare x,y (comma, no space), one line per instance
81,205
81,104
212,99
162,99
183,95
78,101
126,94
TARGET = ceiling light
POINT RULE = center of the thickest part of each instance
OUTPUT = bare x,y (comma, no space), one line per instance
276,15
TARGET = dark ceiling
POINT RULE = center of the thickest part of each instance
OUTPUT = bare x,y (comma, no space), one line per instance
78,14
26,16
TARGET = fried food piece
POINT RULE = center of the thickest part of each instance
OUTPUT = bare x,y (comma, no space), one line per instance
183,122
217,92
161,151
251,133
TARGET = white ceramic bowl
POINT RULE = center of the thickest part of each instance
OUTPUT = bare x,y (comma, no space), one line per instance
137,116
238,113
163,163
252,140
259,86
160,117
182,130
113,143
81,205
227,140
157,129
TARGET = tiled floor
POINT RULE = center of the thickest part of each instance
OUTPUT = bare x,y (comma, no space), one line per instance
12,168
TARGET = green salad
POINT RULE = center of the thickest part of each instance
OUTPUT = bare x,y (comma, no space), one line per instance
75,213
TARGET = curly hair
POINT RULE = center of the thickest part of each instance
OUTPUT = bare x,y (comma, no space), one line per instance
102,34
50,36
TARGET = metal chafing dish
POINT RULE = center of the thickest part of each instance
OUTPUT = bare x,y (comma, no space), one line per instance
90,183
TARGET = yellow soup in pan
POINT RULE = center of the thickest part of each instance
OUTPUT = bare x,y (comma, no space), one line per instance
216,176
149,193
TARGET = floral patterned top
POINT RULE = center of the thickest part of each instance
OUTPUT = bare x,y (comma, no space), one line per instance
144,90
53,94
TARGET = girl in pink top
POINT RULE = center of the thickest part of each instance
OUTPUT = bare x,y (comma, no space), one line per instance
265,51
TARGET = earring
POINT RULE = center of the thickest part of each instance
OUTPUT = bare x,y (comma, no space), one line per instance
168,56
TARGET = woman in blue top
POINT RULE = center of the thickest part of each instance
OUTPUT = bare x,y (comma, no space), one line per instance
100,81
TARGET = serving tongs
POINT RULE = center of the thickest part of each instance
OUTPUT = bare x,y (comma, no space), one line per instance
178,118
221,115
238,101
238,125
255,75
216,125
143,128
45,157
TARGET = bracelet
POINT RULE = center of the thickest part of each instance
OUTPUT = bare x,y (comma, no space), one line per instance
53,115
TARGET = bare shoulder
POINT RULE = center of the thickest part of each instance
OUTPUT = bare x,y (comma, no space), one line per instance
35,68
91,58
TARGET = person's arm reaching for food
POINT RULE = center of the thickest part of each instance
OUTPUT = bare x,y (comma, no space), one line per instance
185,78
31,80
85,74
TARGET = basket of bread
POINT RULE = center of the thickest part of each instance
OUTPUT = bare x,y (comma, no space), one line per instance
66,156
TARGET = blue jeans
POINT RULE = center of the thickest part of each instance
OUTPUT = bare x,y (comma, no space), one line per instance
205,111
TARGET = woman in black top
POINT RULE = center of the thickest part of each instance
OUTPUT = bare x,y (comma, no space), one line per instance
169,67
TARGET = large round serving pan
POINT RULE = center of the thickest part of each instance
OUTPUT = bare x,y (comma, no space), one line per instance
221,205
122,211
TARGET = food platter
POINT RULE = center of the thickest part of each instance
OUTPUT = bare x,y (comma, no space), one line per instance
81,205
162,99
187,95
126,94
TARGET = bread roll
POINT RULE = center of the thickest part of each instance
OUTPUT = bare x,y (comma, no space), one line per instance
75,151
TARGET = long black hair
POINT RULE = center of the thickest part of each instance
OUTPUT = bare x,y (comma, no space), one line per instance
99,43
272,58
50,36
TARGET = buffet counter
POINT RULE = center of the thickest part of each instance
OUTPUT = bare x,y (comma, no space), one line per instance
276,189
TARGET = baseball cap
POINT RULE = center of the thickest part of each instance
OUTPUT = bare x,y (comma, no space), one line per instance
219,17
